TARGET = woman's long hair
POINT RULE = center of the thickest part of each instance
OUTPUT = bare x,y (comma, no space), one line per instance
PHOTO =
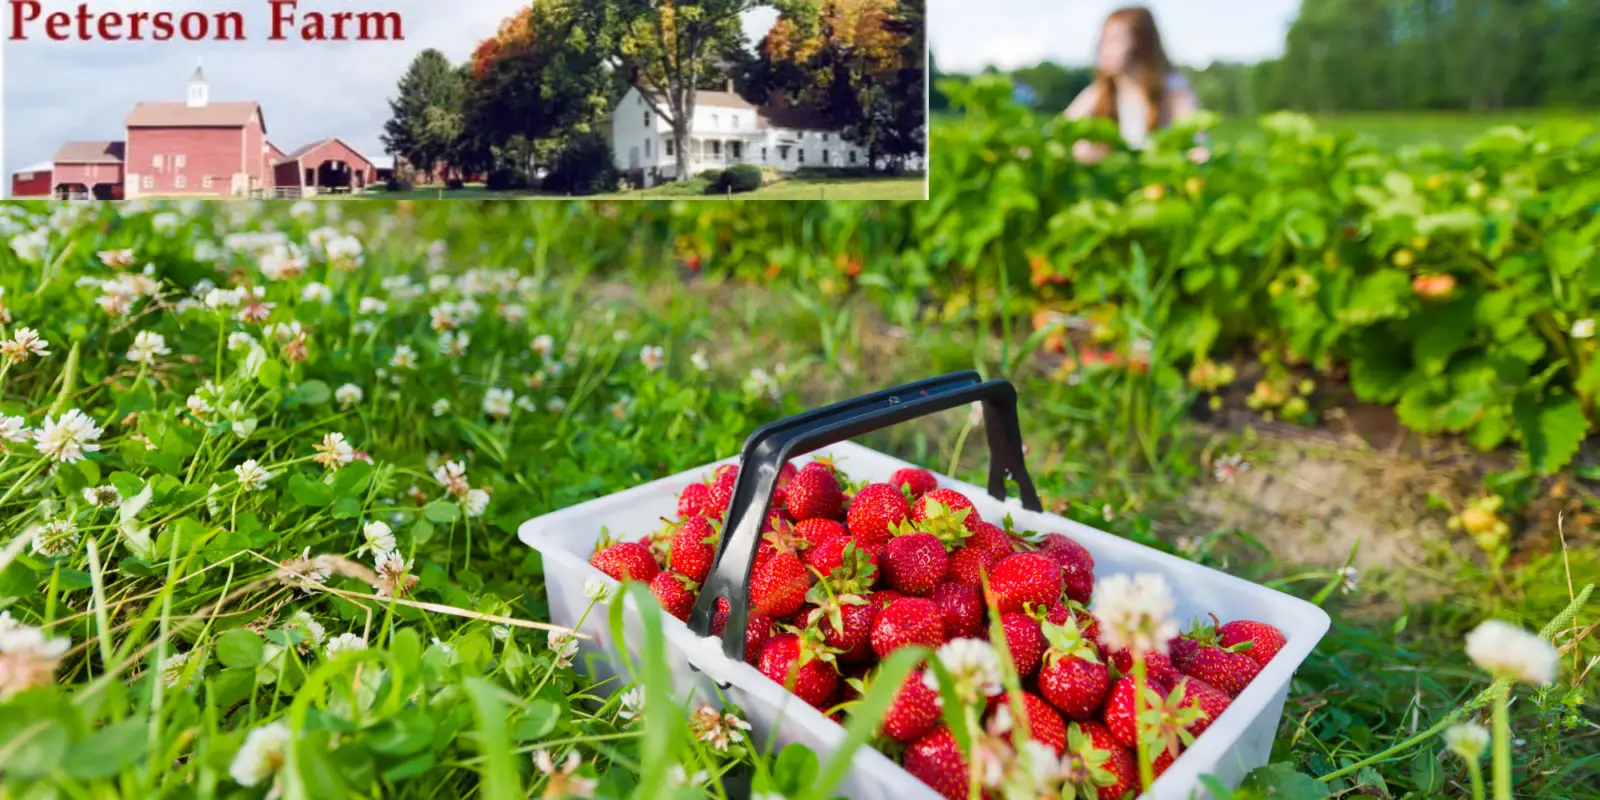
1147,64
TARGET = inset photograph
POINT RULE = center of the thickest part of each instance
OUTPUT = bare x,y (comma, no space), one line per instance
806,100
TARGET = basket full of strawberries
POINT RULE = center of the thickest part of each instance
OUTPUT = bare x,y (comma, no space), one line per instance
1054,661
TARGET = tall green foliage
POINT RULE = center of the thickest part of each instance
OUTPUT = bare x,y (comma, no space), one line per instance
422,122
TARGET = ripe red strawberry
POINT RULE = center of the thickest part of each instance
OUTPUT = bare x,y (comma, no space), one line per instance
1099,735
989,536
845,624
693,500
694,547
817,531
1077,566
1045,726
801,667
936,760
963,610
1025,579
721,495
675,592
626,561
1155,666
1180,651
1227,670
758,629
1024,641
884,597
875,511
969,565
916,481
844,565
1209,699
1118,715
1162,759
814,494
953,502
915,563
914,711
1124,766
778,588
1073,677
1266,640
907,621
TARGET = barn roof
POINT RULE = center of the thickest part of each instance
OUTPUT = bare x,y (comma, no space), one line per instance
706,98
42,166
181,115
304,151
91,153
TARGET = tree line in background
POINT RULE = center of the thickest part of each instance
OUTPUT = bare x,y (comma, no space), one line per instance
1392,55
533,102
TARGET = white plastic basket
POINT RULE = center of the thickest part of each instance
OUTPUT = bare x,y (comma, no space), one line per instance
1238,741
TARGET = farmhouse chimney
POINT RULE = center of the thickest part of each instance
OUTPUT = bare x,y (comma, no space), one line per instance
730,84
199,90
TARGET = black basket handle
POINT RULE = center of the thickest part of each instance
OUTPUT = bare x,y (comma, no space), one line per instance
771,446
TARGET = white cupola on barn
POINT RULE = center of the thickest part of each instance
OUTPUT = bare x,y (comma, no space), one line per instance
199,90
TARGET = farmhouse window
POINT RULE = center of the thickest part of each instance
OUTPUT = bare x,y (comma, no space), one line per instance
824,140
802,155
735,122
763,154
647,148
155,161
180,161
783,152
827,157
647,119
149,182
714,122
178,182
736,149
852,156
205,181
671,148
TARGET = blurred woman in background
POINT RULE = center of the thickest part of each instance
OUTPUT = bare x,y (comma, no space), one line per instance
1135,85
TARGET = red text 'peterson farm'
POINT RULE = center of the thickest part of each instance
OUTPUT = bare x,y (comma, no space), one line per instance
30,21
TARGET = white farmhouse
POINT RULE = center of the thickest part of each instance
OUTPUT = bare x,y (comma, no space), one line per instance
726,130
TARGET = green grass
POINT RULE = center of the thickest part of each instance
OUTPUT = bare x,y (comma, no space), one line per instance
449,359
1388,130
907,188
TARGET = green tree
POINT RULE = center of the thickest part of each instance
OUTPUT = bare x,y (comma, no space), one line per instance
430,90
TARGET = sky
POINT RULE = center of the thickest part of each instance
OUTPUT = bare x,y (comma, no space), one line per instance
969,35
55,92
62,91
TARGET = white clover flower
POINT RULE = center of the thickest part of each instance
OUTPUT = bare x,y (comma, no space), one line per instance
497,403
304,622
500,633
700,361
630,705
452,475
31,246
239,340
105,496
404,357
651,356
219,299
68,437
198,406
678,778
1230,467
1349,579
347,395
475,503
315,292
720,730
165,222
394,576
454,343
344,643
147,345
303,211
1135,613
441,407
565,647
334,452
1504,650
762,384
252,476
543,344
262,754
370,306
283,262
175,670
562,780
57,537
379,538
525,403
599,590
973,666
621,335
24,342
556,405
14,429
1467,739
28,657
1583,328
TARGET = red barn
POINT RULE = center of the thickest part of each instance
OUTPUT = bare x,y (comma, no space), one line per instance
197,147
326,166
32,181
88,169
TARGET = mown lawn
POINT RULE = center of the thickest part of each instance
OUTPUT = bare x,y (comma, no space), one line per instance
906,188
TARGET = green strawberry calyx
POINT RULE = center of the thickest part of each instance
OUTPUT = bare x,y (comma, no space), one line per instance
1066,640
1084,765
